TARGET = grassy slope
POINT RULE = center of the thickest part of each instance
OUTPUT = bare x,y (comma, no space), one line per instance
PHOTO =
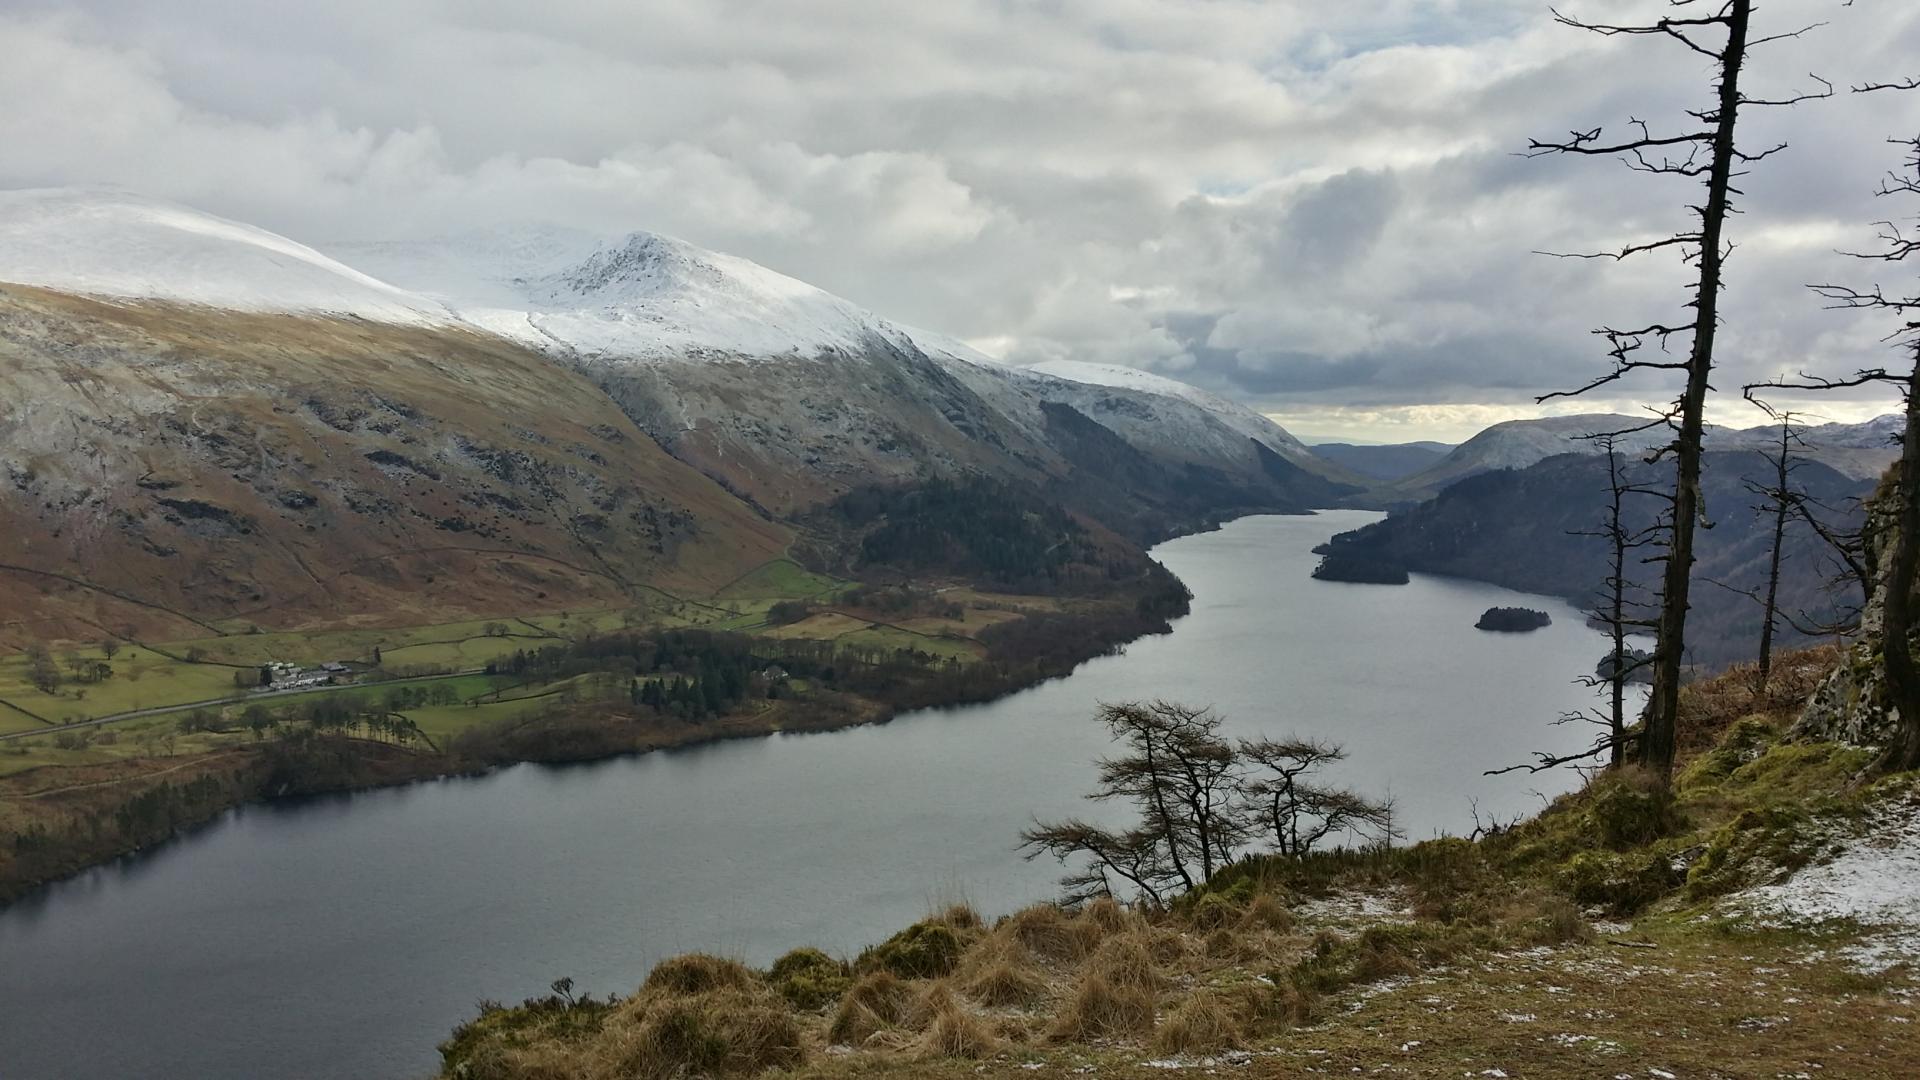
1607,937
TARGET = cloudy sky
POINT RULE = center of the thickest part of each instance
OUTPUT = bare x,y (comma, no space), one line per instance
1310,206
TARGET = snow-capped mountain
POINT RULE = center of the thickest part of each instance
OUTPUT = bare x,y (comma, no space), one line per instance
1233,415
638,297
125,247
790,393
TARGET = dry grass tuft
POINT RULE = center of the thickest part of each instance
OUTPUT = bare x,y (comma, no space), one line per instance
960,917
872,1005
1205,1022
953,1032
697,973
1108,916
1222,944
1168,946
1267,912
1047,930
1006,985
1101,1010
1127,961
724,1032
1559,922
926,1006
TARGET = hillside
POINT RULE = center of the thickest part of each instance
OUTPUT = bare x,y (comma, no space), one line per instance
531,419
1519,528
1858,451
175,471
793,397
1760,921
1391,461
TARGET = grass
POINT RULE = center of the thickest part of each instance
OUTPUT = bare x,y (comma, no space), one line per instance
780,579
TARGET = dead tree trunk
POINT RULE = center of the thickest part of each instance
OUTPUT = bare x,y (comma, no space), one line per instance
1783,500
1903,682
1721,33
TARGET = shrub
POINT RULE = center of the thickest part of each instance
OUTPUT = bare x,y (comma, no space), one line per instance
809,978
697,973
925,950
1621,883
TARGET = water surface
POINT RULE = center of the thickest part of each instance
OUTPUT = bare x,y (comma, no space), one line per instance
342,937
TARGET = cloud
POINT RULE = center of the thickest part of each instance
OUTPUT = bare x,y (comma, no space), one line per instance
1316,208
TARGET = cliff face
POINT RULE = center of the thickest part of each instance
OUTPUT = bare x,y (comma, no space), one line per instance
1850,705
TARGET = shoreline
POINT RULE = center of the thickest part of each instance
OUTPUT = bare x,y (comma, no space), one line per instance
193,794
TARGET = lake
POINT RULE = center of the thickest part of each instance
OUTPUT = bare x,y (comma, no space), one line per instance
343,937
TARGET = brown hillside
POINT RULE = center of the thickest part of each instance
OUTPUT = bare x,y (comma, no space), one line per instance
164,465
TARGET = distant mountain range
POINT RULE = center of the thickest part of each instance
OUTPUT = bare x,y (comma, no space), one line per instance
1860,451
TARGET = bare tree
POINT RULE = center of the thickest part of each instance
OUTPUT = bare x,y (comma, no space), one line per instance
1619,606
1199,800
1897,608
1782,501
1179,772
1704,150
1297,811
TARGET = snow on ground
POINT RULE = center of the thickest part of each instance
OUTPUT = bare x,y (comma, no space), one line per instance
1242,419
1873,881
121,246
639,297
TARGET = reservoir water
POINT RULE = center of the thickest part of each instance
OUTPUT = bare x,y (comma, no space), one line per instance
343,937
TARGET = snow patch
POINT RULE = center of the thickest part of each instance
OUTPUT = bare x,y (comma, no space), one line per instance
1874,881
125,247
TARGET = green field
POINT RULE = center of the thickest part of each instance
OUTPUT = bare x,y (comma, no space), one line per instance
161,675
781,579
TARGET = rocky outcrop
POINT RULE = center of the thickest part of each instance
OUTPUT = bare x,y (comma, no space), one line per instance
1850,705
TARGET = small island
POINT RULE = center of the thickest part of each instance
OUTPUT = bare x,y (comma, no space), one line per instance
1338,566
1512,620
1638,664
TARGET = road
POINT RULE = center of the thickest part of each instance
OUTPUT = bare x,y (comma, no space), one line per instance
240,699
